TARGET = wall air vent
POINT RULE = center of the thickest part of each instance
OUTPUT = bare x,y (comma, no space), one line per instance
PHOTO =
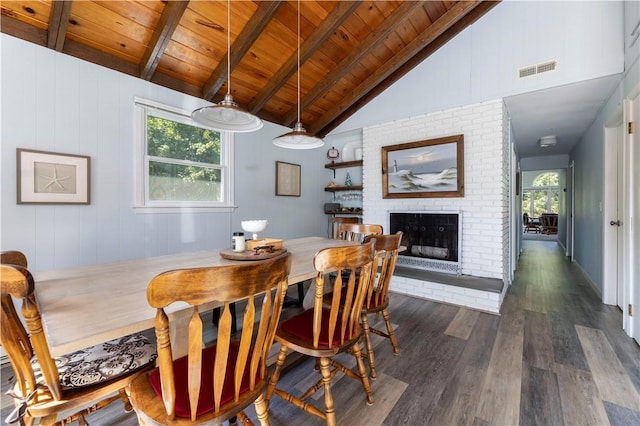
537,69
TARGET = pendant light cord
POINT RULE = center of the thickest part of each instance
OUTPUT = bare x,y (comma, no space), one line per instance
299,61
229,47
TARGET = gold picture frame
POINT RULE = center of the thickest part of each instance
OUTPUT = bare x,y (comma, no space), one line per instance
52,178
287,179
431,168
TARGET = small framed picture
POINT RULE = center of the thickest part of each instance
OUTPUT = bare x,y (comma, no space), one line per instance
287,179
52,178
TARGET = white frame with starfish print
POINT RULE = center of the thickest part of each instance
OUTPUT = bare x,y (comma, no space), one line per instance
52,178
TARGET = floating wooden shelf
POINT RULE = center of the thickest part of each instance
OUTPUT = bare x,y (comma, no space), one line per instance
343,188
340,212
343,164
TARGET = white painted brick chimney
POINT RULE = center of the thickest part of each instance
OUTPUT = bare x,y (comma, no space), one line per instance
484,207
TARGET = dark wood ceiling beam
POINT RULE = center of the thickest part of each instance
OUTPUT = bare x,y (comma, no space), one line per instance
175,84
468,20
250,33
439,30
167,24
350,61
337,16
16,28
58,23
86,53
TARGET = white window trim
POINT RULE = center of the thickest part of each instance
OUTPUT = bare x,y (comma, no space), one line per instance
141,202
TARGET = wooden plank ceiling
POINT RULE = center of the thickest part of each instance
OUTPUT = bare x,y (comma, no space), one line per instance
350,51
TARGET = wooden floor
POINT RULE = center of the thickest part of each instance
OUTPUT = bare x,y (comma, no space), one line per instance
556,355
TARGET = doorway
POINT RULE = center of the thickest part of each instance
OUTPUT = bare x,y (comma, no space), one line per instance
613,234
634,142
571,205
621,241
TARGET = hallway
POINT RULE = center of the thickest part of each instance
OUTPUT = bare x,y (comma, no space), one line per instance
578,366
555,356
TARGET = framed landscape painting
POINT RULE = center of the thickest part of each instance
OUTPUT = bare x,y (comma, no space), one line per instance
424,169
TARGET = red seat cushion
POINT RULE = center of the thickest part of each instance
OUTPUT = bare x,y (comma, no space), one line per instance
205,400
301,326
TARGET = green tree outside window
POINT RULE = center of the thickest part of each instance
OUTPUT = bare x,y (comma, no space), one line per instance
184,161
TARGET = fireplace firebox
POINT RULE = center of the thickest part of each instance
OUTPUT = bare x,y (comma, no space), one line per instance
432,239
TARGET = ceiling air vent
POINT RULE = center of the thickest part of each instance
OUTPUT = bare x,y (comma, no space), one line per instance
537,69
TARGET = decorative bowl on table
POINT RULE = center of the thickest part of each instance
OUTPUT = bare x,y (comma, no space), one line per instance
254,226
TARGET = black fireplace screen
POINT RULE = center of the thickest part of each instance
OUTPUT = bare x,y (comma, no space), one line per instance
427,235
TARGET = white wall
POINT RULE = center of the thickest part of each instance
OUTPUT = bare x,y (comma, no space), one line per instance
54,102
588,156
481,62
545,162
589,178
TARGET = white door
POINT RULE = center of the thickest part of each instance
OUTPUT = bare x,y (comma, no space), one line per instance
635,219
616,220
613,240
572,205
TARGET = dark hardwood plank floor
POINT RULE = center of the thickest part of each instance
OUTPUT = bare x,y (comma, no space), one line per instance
555,356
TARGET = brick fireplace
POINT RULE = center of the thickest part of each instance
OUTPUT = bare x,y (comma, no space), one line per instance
482,253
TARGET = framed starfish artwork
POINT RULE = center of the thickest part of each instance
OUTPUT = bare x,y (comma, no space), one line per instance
52,178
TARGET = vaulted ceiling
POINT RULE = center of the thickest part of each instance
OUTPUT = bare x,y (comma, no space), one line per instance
350,51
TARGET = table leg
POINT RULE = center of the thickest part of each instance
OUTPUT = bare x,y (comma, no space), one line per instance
288,301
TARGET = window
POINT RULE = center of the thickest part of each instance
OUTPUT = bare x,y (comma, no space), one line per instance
543,196
180,164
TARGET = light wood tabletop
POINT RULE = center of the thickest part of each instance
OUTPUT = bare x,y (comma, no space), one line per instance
87,305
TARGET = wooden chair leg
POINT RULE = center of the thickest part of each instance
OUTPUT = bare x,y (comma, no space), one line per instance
262,411
275,377
369,347
125,400
329,406
364,379
392,336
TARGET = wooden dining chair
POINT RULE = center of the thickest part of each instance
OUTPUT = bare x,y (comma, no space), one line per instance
324,332
69,386
377,298
13,257
337,220
529,224
549,223
215,383
357,231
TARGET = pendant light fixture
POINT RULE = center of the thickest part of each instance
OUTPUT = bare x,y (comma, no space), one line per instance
227,115
298,138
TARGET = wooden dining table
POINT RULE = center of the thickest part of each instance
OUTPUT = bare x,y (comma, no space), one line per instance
87,305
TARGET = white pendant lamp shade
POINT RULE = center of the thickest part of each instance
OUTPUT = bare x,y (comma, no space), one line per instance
227,116
298,138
